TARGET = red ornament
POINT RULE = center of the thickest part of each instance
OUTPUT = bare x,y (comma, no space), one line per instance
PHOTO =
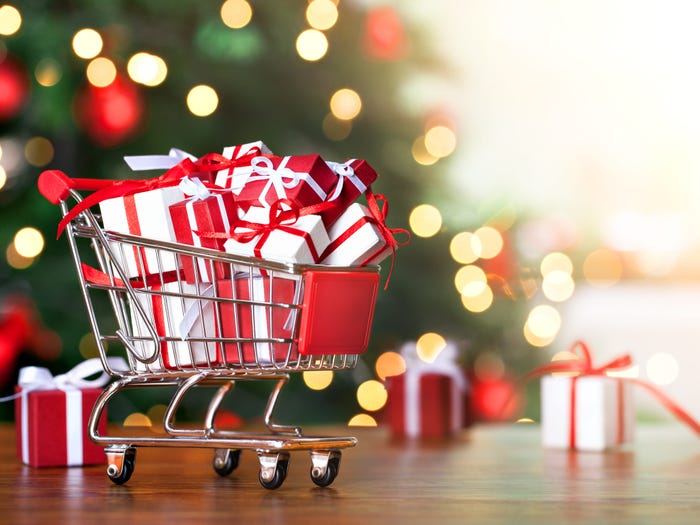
495,400
14,87
384,37
112,114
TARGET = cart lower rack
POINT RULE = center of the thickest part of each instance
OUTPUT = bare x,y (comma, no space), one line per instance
185,317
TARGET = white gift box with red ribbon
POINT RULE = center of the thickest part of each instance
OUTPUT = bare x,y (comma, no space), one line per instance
234,177
355,239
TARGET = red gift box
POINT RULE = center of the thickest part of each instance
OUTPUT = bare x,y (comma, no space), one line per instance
303,179
206,212
52,423
353,179
252,319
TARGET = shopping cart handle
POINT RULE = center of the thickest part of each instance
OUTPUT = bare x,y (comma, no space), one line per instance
54,185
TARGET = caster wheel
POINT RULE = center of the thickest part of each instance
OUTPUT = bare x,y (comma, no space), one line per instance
226,461
121,477
278,477
329,476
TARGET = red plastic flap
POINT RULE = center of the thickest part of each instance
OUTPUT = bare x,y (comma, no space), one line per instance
54,185
337,313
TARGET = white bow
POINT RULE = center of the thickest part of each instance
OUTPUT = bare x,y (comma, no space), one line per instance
195,187
345,171
158,162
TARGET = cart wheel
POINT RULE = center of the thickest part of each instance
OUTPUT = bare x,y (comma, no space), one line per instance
323,479
278,476
226,461
119,476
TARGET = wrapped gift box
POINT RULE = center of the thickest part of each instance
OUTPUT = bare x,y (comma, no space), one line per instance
255,318
355,239
303,179
234,178
299,242
144,214
354,178
179,318
593,412
52,427
210,212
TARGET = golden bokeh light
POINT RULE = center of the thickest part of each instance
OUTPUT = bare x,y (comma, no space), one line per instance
535,340
558,286
137,419
87,346
39,151
157,412
602,268
525,420
565,355
28,242
544,321
345,104
491,241
17,260
312,45
47,72
425,220
10,20
478,303
662,368
336,129
87,43
101,72
318,379
362,420
202,100
556,261
147,69
371,395
429,346
389,364
465,247
440,141
470,280
236,13
321,14
3,177
420,154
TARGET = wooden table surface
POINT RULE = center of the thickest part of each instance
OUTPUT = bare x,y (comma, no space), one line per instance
491,474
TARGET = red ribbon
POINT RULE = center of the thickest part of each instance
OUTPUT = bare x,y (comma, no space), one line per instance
583,366
95,276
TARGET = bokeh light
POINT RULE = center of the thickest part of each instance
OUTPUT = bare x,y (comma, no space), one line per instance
312,45
429,346
371,395
420,153
389,364
556,261
425,220
602,268
345,104
662,368
362,420
465,247
480,302
321,14
10,20
137,419
39,151
440,141
17,260
147,69
544,321
202,100
336,129
87,346
47,72
101,72
318,379
536,340
236,13
558,286
29,242
3,177
565,355
470,280
491,241
87,43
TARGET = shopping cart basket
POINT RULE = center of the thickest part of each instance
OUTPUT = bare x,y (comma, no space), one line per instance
258,320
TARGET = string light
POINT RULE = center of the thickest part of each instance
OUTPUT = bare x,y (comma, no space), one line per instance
425,220
101,72
202,100
236,13
147,69
312,45
10,20
87,43
321,14
345,104
29,242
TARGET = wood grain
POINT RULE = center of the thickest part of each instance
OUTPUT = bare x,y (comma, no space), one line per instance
494,474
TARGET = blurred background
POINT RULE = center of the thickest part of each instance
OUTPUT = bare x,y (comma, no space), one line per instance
544,156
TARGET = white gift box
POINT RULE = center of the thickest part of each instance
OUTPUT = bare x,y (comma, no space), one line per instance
590,413
300,242
143,214
234,178
179,317
355,240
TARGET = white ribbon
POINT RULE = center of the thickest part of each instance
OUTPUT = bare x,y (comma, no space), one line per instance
445,364
345,171
195,187
39,378
157,162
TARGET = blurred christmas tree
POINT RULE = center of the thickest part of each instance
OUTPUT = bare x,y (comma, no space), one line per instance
85,82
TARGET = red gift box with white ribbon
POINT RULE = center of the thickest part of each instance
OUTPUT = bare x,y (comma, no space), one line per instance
354,178
52,414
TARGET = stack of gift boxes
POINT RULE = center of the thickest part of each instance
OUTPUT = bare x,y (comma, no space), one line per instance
246,201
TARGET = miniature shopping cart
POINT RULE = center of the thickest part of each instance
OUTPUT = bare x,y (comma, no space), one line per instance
251,320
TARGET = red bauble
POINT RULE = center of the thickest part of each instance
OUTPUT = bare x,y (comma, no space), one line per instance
384,37
14,87
495,400
112,114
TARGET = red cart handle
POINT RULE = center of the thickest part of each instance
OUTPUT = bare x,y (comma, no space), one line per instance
55,185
